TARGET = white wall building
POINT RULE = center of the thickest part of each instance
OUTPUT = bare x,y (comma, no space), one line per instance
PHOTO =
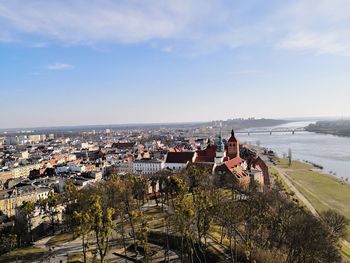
71,167
179,160
147,166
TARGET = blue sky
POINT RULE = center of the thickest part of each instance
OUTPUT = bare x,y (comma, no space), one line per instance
73,62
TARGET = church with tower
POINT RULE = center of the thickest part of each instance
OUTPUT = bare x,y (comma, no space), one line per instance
225,158
226,152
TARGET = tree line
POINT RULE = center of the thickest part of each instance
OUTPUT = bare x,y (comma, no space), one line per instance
200,215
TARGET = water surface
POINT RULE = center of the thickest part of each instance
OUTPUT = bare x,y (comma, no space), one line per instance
331,152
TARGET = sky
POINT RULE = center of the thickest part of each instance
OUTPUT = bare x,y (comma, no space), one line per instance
76,62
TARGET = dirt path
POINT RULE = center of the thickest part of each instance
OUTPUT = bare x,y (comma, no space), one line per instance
298,194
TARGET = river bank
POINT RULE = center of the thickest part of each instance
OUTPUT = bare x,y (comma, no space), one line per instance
317,191
338,128
328,151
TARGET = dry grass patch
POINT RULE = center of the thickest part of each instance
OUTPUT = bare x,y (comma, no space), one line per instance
24,255
60,239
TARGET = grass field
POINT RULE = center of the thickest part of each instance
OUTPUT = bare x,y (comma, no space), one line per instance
23,255
323,191
76,258
346,251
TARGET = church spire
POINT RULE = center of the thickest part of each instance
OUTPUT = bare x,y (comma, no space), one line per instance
220,149
220,145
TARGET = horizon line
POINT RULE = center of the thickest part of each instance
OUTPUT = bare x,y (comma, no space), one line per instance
291,119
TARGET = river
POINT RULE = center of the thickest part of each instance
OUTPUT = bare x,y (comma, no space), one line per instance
331,152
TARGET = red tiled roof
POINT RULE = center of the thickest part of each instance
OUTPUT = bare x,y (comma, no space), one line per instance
210,151
206,155
179,157
234,162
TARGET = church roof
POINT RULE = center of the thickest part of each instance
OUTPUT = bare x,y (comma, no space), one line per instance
232,138
206,155
230,164
179,157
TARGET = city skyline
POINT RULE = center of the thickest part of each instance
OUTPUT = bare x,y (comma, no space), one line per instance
67,63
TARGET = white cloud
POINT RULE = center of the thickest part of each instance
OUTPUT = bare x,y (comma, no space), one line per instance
317,26
319,43
39,45
173,25
59,66
78,21
197,26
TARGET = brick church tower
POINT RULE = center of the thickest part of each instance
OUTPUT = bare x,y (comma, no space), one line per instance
233,146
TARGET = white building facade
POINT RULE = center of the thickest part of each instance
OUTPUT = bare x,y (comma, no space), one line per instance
147,166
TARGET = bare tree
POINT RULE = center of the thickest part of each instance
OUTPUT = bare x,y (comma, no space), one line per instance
289,157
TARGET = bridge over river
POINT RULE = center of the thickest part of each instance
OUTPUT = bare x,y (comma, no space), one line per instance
270,130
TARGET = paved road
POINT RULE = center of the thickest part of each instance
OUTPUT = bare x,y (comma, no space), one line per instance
59,253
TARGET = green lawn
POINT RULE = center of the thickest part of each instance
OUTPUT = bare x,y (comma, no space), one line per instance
283,163
323,191
23,255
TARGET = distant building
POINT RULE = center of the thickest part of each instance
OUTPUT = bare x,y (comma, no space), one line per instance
11,199
125,167
124,145
71,168
179,160
36,138
96,175
147,166
20,171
